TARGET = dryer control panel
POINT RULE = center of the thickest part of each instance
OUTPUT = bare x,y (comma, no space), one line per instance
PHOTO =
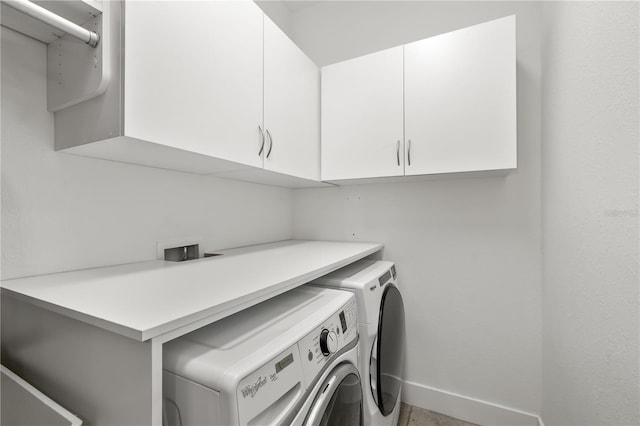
267,385
325,341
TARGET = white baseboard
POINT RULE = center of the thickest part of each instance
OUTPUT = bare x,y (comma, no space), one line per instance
465,408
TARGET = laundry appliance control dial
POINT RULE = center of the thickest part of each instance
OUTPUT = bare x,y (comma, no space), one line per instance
328,342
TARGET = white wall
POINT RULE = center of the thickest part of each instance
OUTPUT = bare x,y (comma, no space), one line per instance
467,248
590,213
63,212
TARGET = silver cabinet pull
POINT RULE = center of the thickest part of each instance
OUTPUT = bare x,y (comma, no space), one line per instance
261,141
409,153
270,143
398,152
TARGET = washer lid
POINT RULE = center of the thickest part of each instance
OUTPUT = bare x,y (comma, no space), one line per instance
367,280
221,354
356,275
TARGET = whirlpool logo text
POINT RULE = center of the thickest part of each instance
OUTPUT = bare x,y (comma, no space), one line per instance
251,390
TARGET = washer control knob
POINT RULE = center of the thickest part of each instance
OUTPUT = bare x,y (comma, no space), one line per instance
328,342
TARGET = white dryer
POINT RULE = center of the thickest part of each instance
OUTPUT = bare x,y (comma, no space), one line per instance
382,335
289,360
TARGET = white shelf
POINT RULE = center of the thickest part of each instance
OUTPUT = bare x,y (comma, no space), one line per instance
148,299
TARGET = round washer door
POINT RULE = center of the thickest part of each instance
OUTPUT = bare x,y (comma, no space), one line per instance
387,353
339,401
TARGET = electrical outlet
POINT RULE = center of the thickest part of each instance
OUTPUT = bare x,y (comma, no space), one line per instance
178,249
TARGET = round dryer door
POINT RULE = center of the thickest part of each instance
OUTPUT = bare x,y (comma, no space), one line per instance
339,401
387,354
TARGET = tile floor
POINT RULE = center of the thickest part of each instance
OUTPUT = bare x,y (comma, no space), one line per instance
416,416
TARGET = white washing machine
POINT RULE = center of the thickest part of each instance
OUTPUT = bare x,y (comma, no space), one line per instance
289,360
382,335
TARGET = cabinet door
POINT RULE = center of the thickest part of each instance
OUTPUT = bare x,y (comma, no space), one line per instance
362,117
193,76
460,100
291,107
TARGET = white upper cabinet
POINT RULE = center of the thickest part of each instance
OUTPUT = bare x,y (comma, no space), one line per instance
193,77
188,93
362,117
460,100
449,100
291,107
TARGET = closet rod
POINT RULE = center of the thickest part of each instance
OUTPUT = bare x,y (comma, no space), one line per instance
41,14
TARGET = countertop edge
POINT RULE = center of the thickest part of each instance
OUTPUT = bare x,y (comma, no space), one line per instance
80,316
187,323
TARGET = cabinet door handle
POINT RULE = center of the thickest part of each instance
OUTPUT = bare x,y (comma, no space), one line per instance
398,152
270,143
409,153
261,141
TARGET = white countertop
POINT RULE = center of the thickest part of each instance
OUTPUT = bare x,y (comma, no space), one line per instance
144,300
